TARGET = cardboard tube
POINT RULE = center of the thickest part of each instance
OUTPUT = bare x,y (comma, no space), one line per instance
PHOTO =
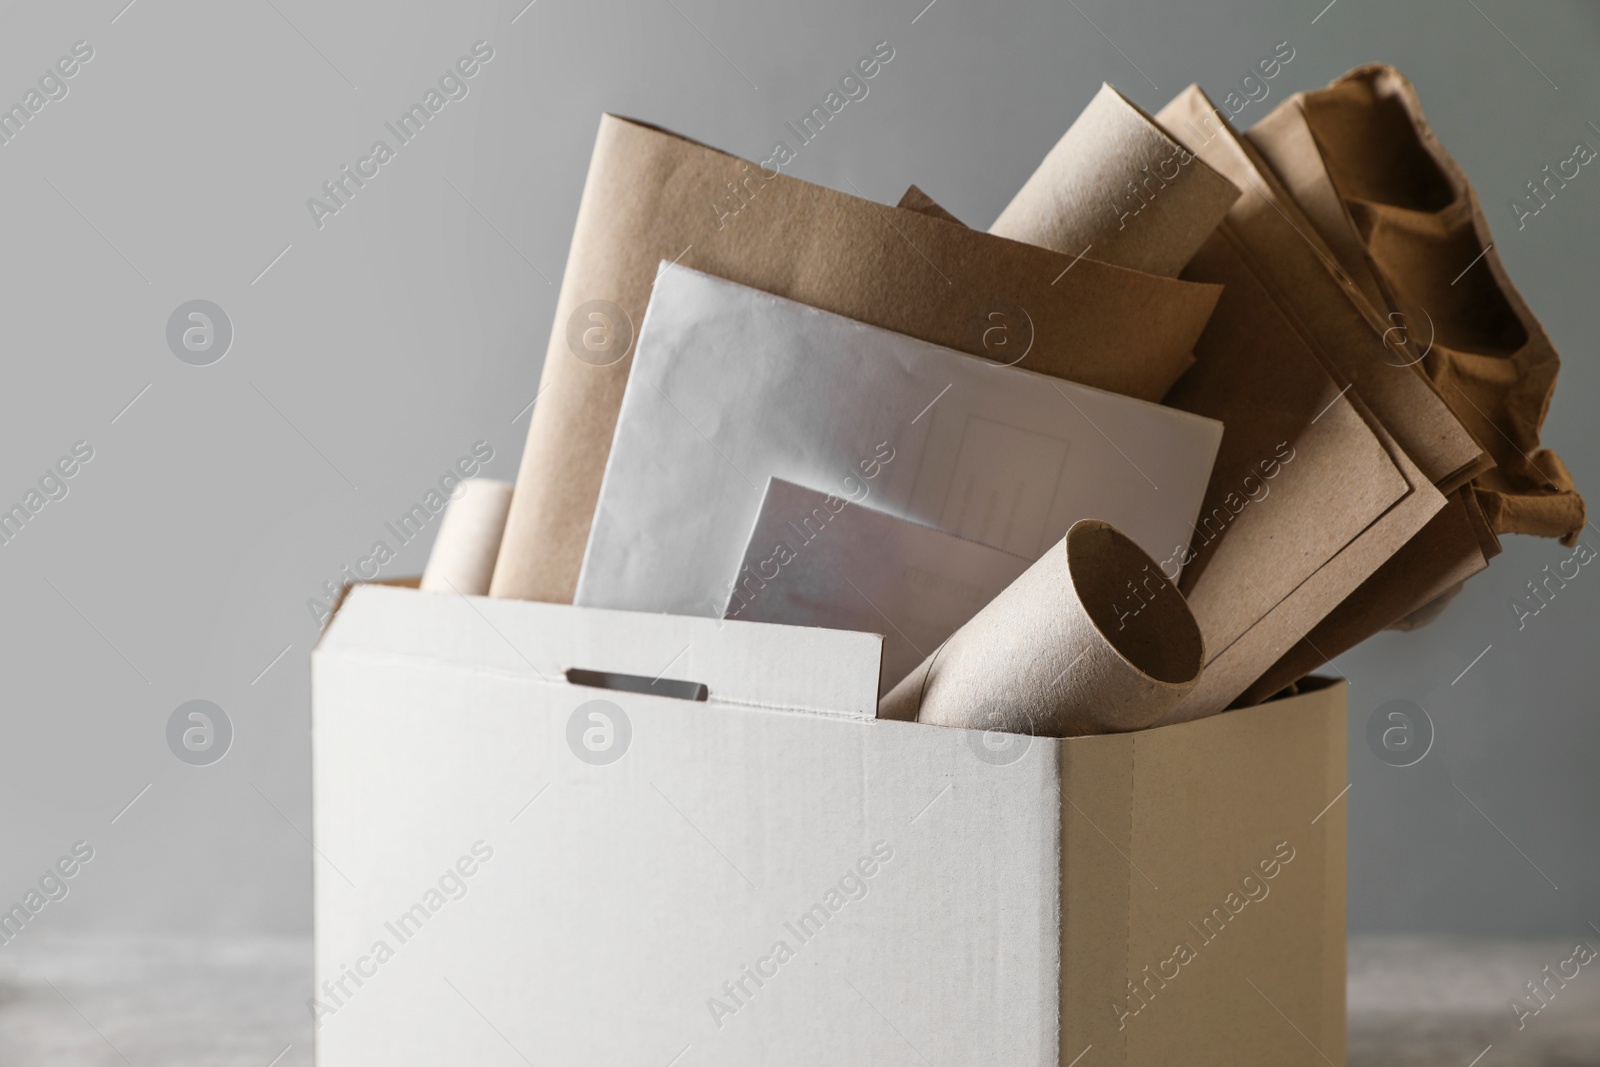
1090,639
1121,189
462,560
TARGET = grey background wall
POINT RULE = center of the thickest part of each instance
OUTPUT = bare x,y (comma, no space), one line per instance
371,353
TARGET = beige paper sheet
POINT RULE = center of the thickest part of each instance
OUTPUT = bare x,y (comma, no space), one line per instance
1237,667
1447,553
1090,639
1119,188
1300,473
653,196
463,555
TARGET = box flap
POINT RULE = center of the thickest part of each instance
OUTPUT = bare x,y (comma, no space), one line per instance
782,668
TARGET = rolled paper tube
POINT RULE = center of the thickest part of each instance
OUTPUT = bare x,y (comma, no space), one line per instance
463,557
1120,189
1091,639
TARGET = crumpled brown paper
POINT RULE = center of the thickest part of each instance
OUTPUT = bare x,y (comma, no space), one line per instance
1404,222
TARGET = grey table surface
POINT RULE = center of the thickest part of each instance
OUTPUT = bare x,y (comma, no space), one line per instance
177,1002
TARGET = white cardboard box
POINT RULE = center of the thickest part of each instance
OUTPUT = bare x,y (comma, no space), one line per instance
485,894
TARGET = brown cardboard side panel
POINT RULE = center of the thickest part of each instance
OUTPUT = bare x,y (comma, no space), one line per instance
1096,884
1238,956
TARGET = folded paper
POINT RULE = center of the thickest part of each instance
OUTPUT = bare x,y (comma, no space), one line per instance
1090,639
1301,473
815,559
732,386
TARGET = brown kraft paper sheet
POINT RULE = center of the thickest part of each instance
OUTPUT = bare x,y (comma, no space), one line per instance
1331,316
1300,474
1357,342
652,196
1431,607
1429,566
1231,671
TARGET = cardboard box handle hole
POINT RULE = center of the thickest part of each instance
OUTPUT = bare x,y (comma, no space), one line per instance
676,688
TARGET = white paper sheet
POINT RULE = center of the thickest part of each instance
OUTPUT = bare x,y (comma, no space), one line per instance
731,386
817,559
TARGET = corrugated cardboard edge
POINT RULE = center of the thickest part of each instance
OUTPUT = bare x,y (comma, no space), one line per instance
409,581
